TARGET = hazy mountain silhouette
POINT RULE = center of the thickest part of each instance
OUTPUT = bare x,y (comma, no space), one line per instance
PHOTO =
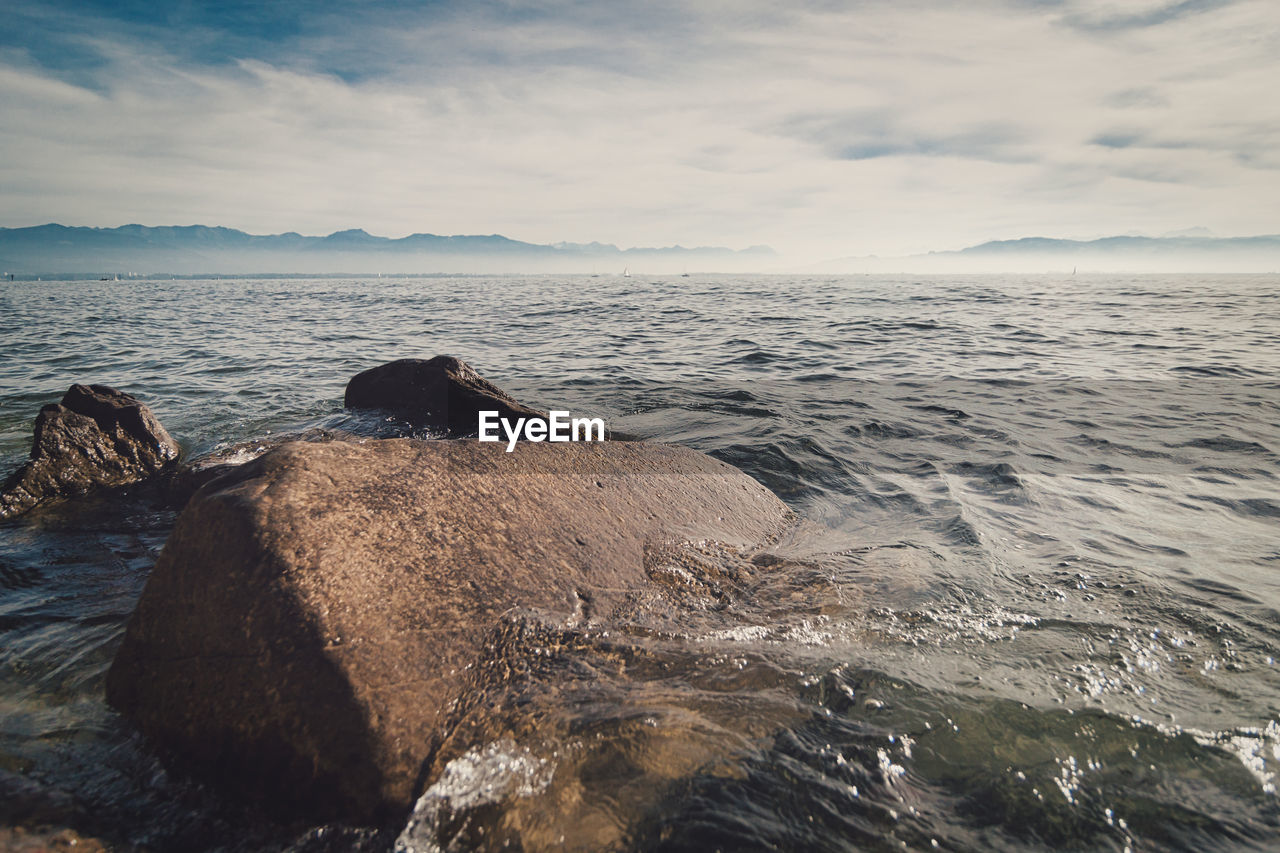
193,249
1122,245
1171,254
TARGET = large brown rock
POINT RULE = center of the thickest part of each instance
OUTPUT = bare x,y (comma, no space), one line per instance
314,615
444,392
97,436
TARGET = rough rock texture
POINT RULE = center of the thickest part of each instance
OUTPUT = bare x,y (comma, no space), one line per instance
19,839
313,616
97,436
444,392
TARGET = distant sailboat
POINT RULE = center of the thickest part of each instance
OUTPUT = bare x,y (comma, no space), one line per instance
625,274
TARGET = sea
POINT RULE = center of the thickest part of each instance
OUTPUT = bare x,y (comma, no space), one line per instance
1034,602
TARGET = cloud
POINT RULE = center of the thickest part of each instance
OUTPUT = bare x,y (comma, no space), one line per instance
1137,15
1117,139
820,128
877,133
1136,99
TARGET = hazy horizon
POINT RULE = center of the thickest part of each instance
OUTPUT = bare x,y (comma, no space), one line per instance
824,130
56,250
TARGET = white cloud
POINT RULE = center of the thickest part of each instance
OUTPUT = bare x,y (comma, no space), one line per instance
856,129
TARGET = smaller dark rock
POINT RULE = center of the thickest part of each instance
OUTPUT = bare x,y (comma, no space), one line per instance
443,392
97,436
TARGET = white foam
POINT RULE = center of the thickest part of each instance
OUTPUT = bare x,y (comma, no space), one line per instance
1258,749
740,634
498,771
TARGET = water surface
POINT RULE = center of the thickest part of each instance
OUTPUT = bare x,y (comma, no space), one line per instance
1038,605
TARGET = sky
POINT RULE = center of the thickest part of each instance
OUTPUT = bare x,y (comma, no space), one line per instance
823,129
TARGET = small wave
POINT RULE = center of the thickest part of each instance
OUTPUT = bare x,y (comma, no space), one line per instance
1125,333
1225,444
1218,588
876,429
812,344
730,409
959,531
1212,370
999,475
1249,507
757,357
954,414
19,577
1125,449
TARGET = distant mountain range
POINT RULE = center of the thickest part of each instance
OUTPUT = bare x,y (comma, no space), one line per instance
51,250
1122,245
194,249
1187,252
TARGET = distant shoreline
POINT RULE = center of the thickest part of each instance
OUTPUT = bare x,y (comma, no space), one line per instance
53,277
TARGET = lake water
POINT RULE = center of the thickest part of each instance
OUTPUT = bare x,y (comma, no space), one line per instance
1038,605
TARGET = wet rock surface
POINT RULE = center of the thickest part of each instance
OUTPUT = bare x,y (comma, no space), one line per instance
443,392
317,614
96,437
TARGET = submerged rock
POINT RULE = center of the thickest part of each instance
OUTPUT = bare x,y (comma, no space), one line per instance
97,436
314,616
443,392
